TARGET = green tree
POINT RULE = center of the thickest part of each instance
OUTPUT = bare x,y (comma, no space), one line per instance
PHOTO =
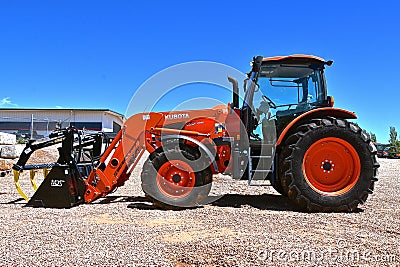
373,136
393,136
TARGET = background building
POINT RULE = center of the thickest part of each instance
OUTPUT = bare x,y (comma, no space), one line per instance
37,123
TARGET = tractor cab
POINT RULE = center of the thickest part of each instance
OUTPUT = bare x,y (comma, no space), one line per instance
277,90
291,86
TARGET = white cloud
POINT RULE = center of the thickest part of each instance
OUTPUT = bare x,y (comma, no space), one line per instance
59,107
6,102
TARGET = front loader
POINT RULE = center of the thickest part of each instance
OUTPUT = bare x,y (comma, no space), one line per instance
286,132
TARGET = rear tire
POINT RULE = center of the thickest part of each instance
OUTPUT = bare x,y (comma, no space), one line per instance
329,165
176,178
280,184
279,188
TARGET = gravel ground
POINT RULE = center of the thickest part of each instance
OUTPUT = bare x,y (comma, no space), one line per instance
249,226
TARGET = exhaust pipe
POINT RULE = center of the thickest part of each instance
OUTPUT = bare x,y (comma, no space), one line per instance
235,89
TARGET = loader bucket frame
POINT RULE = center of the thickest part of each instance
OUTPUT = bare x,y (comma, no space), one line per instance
63,185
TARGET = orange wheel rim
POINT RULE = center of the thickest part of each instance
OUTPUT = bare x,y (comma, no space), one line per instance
331,166
176,179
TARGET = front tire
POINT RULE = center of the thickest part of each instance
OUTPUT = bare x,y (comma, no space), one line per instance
329,165
176,178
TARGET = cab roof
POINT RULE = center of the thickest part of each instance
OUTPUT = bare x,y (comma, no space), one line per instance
294,59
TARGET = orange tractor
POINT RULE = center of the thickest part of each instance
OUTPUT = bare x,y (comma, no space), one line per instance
286,131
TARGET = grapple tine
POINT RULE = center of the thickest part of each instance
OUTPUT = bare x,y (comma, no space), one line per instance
32,178
18,185
46,172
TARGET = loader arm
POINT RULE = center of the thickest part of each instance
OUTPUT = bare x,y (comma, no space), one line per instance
116,164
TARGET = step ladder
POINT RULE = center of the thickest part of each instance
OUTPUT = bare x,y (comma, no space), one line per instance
262,170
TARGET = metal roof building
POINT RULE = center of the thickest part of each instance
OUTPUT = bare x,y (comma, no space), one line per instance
40,122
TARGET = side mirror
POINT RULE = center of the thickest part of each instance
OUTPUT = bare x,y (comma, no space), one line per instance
331,101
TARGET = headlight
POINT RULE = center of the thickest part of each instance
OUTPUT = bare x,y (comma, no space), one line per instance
219,127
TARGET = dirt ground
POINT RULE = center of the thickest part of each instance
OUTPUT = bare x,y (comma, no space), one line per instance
248,226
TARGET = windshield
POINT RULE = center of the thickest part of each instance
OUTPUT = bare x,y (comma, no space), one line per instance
281,91
291,87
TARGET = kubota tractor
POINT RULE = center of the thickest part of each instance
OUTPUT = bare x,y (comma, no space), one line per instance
286,131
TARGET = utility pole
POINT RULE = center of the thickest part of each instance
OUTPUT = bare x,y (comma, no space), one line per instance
32,126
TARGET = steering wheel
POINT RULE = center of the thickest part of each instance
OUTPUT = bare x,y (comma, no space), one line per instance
269,101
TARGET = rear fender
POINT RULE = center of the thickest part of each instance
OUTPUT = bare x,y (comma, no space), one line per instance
313,114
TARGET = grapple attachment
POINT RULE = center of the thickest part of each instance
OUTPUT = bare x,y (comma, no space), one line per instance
64,185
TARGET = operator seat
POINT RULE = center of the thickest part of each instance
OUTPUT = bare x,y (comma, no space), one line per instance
268,130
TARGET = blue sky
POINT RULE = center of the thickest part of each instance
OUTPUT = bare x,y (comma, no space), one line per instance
95,54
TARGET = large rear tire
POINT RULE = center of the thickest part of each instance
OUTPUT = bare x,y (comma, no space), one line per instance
329,165
176,178
277,185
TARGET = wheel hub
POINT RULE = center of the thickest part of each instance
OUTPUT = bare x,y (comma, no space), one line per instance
176,178
327,166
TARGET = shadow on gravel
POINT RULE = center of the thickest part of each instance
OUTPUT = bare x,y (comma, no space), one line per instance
18,201
265,202
262,202
141,203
